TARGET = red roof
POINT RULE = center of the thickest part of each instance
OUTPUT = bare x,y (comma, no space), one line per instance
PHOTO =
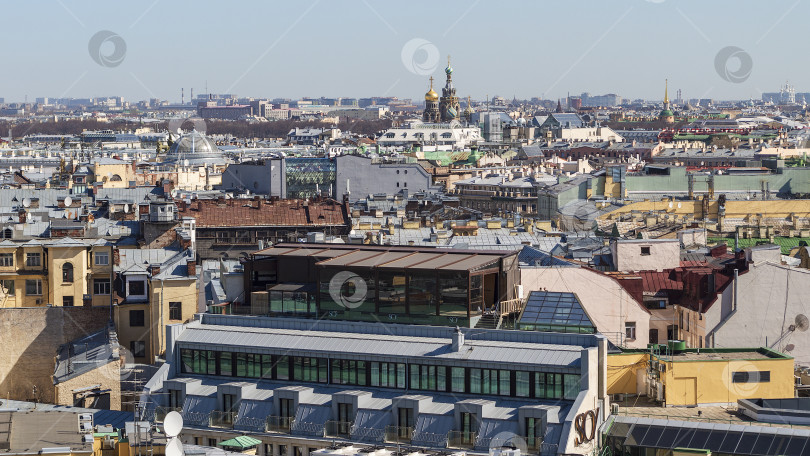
245,212
654,282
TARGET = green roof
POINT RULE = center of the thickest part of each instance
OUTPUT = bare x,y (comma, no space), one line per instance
242,442
785,243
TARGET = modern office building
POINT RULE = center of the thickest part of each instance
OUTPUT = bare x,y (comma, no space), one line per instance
300,385
420,285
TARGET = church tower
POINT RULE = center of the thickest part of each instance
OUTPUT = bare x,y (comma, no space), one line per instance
449,106
431,113
666,114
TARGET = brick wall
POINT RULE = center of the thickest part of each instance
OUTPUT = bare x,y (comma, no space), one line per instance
30,338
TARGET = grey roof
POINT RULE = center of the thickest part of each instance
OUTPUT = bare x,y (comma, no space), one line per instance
393,341
85,354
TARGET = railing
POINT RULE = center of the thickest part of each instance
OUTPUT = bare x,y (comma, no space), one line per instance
365,434
429,439
534,444
731,420
341,429
161,412
510,306
222,419
249,422
461,439
196,418
279,424
305,428
398,434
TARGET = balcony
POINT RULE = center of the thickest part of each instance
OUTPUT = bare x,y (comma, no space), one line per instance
461,439
161,412
222,419
339,429
398,434
279,424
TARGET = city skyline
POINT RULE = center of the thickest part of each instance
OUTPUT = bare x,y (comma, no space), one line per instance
495,49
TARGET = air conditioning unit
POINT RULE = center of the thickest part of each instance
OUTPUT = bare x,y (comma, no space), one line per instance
87,438
797,380
659,394
85,427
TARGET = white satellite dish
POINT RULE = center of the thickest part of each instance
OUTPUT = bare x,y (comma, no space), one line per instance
26,202
68,201
670,204
173,424
185,162
679,205
126,208
174,447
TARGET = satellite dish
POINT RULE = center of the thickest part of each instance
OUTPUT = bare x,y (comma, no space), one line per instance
126,207
670,204
174,447
185,162
789,348
173,424
68,201
802,323
26,202
679,205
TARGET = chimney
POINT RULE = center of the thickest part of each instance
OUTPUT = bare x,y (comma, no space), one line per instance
154,269
116,254
192,267
23,216
458,339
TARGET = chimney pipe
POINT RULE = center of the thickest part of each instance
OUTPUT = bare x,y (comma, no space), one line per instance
458,339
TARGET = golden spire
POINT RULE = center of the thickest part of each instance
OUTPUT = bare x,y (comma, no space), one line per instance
431,95
666,90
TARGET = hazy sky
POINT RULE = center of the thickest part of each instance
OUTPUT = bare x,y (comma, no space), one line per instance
355,48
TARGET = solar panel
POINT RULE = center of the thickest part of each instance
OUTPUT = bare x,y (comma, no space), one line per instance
556,311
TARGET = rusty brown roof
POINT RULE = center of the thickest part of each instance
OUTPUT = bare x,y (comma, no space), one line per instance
253,213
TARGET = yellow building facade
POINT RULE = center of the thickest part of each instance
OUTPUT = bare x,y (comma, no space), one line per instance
702,376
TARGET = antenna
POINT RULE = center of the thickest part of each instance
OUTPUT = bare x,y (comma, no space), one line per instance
173,424
802,323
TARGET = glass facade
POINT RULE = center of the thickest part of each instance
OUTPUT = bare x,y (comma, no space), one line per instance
429,297
308,176
418,377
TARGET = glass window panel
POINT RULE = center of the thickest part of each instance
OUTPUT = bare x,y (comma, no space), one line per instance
226,363
453,294
422,293
457,379
391,290
521,384
504,387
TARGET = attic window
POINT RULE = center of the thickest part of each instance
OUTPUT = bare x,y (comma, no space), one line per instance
645,250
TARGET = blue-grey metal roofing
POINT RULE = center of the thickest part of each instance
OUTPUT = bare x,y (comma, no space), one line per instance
196,409
252,415
379,345
429,427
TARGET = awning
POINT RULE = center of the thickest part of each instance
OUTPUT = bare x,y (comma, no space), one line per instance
241,442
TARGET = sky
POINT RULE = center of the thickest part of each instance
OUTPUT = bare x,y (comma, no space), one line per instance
364,48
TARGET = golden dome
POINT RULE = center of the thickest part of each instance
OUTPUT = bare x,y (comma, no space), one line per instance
431,95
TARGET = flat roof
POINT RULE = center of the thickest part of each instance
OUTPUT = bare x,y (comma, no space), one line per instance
33,431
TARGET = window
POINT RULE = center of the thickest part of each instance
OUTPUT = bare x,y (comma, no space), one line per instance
630,330
344,418
33,287
137,287
102,258
101,286
405,420
212,442
67,301
534,431
390,375
136,318
175,398
6,259
8,287
468,427
67,273
138,348
653,336
175,311
457,379
645,250
751,377
33,260
8,233
522,384
286,408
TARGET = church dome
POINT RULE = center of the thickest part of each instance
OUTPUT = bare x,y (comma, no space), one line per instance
431,95
196,148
